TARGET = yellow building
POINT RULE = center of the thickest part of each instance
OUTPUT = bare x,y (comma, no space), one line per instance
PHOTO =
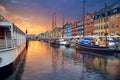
114,24
107,20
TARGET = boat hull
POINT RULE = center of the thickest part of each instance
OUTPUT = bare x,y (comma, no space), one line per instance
117,51
63,42
95,50
67,45
9,64
54,44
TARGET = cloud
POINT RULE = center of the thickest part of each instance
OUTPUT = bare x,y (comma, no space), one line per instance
3,11
20,21
14,1
19,2
20,18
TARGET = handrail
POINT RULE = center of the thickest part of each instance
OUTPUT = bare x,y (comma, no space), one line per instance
7,43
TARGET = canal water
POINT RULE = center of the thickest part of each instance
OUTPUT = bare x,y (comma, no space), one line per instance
43,62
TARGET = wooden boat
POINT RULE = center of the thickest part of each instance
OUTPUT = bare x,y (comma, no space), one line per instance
70,44
94,48
117,48
54,43
67,45
117,51
62,41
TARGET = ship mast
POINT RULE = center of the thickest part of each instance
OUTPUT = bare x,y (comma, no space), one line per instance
63,20
53,21
63,27
106,26
84,17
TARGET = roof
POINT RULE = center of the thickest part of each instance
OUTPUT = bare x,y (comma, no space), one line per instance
109,7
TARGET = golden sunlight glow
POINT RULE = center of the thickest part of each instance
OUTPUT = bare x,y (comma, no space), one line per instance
28,24
34,20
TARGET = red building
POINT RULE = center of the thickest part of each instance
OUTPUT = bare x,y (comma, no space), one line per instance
89,26
80,28
74,29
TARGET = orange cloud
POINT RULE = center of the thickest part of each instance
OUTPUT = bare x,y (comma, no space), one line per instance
3,10
35,22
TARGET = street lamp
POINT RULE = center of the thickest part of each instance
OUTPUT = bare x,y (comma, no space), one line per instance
26,31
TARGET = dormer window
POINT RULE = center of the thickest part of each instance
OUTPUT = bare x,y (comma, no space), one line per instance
115,10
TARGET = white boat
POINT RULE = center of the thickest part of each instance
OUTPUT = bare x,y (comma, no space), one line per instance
12,43
71,42
62,41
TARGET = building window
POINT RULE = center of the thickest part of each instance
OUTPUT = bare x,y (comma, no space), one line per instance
117,25
112,33
115,10
112,18
99,20
112,26
102,33
117,17
105,26
101,27
117,32
106,14
98,27
105,19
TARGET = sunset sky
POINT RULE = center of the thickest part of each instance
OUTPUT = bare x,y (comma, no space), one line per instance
36,15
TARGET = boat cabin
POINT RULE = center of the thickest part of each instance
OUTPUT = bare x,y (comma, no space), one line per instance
10,35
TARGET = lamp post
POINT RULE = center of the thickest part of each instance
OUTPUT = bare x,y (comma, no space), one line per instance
26,38
26,31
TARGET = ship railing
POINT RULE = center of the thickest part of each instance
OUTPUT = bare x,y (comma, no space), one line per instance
7,43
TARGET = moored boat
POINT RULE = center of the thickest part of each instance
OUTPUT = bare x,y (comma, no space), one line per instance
67,45
117,51
12,43
95,48
62,41
88,44
54,42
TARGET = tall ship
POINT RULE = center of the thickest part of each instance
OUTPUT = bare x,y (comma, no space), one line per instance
12,43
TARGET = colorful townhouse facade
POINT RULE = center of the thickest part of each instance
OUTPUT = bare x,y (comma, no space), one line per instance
80,28
107,20
68,30
89,26
74,29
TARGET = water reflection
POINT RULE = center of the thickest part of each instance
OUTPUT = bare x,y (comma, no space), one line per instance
105,67
54,59
108,66
44,62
